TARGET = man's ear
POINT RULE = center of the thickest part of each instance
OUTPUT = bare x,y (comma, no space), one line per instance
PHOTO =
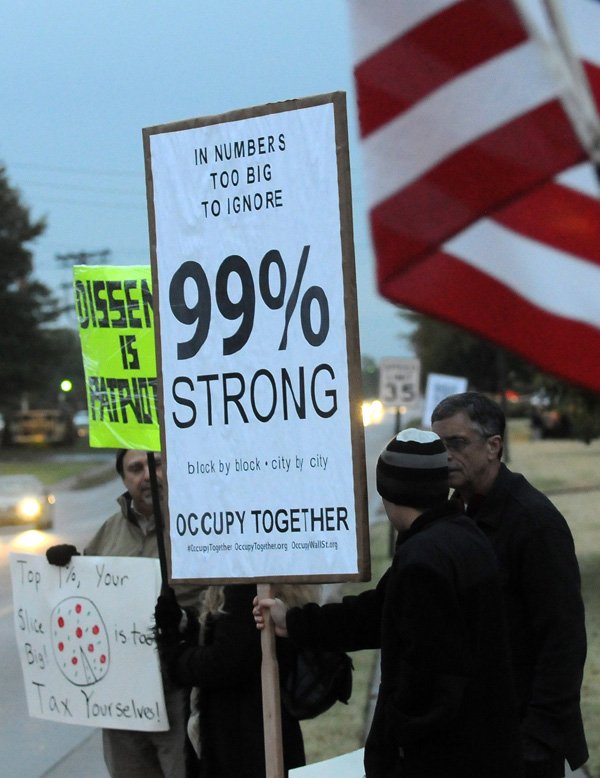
494,446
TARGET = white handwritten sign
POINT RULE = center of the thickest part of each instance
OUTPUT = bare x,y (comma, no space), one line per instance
85,640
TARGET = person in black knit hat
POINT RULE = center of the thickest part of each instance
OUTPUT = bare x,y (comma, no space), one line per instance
446,706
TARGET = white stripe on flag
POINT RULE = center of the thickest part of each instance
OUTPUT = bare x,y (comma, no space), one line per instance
376,23
455,115
582,178
553,280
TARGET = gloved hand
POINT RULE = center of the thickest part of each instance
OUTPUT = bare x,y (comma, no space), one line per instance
172,655
61,555
168,617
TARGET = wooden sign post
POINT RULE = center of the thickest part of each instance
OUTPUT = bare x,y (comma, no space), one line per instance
271,696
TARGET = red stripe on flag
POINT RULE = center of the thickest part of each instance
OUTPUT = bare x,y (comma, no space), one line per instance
593,75
559,216
504,176
431,54
448,289
493,170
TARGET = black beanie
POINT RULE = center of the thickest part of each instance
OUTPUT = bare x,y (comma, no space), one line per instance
413,469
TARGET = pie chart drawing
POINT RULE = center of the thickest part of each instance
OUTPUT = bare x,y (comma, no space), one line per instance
80,641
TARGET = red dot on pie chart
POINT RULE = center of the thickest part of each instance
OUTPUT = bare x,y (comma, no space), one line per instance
61,621
79,632
74,660
61,646
95,629
78,608
103,659
91,647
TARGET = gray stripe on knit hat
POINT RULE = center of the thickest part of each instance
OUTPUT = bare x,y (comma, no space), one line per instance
415,461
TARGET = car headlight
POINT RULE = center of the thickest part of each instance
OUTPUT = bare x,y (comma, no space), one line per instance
372,412
29,508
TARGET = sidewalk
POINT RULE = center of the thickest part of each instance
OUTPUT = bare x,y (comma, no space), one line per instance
85,760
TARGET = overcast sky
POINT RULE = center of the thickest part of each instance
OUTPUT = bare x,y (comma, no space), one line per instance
81,79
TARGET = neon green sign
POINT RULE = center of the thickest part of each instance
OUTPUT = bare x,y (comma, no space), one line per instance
116,329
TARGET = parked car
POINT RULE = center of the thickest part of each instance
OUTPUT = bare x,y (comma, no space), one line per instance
25,500
81,424
46,426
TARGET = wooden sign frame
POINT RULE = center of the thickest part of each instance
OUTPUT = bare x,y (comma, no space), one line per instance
353,366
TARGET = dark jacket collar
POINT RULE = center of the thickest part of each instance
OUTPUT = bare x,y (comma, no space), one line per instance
129,512
442,511
488,508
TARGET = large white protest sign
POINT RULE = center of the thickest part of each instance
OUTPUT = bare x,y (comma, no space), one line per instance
259,364
85,640
349,765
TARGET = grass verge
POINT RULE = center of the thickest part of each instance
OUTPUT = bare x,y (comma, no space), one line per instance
562,465
82,468
342,728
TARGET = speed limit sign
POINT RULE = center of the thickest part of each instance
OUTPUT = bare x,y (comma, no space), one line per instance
399,381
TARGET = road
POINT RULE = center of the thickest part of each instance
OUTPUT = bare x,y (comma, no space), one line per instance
31,748
35,748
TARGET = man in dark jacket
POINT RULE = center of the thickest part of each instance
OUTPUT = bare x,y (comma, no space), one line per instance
446,706
540,579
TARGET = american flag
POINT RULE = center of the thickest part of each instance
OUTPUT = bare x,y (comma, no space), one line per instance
478,129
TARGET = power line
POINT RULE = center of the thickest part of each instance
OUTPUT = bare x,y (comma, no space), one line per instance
89,203
77,188
83,257
76,171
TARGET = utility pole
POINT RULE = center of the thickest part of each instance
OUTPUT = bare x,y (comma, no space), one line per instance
78,258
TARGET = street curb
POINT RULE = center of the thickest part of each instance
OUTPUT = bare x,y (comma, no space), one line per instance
95,476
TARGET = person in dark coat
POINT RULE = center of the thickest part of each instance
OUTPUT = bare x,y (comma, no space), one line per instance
446,706
223,662
540,577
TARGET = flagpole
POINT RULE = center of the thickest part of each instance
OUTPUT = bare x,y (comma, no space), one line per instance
576,97
591,144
